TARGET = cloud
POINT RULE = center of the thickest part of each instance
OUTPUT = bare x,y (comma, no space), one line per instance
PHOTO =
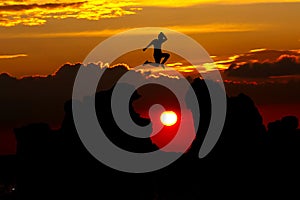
22,7
255,55
257,50
267,93
180,67
32,12
285,65
12,56
176,70
168,76
264,55
171,70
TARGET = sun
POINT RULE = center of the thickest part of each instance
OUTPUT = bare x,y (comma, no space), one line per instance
168,118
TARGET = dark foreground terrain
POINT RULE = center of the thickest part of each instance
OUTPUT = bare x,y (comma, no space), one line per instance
249,160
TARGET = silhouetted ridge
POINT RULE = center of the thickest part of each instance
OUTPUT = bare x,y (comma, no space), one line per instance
6,77
288,124
8,165
243,133
284,140
55,163
108,124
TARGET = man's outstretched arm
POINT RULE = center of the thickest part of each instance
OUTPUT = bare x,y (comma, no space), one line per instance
144,49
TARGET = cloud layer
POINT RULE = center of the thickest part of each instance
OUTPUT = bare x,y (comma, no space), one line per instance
12,56
38,12
33,12
286,64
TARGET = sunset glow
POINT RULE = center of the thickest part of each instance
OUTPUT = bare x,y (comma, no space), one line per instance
33,13
148,99
29,26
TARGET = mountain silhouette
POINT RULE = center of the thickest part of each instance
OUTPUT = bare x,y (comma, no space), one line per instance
55,163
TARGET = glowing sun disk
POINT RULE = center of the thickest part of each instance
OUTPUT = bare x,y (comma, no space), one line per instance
168,118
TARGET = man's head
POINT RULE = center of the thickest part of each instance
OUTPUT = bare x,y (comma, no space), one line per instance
160,36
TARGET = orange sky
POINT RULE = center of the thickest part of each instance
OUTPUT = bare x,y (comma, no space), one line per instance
38,36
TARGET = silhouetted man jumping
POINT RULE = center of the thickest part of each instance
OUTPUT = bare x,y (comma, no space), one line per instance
158,54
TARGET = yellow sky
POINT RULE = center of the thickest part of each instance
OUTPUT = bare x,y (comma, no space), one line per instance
38,12
38,36
180,3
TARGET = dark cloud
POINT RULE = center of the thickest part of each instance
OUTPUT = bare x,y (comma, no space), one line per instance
43,6
285,65
264,55
33,13
267,93
257,55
